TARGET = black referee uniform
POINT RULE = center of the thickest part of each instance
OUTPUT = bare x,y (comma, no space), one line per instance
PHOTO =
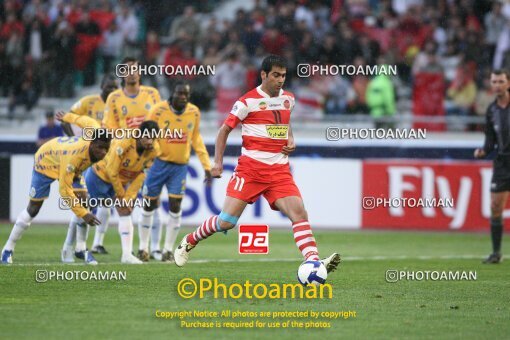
497,136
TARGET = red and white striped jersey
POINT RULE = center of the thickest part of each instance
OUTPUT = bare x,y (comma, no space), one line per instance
265,124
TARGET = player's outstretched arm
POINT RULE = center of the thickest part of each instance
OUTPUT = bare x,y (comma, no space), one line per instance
219,150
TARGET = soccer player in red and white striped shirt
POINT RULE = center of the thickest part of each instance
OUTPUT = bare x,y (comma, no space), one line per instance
263,168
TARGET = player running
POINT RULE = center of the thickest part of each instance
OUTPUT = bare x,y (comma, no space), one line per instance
170,169
91,106
497,136
263,167
125,108
62,159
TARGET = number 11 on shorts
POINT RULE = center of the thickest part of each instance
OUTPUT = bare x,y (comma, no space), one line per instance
253,239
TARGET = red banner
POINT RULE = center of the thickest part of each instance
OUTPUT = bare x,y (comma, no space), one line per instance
428,99
427,195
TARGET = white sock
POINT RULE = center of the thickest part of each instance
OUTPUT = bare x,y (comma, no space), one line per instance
126,234
156,231
144,229
22,223
82,231
71,232
103,215
172,230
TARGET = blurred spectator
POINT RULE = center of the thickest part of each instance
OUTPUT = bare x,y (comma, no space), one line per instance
340,93
128,25
310,97
450,61
461,93
50,130
88,34
484,97
111,46
64,43
425,59
186,27
36,43
26,92
381,100
328,51
273,41
152,50
494,24
229,81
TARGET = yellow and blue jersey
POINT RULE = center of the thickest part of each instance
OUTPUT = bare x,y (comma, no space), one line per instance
63,158
125,112
123,166
175,149
91,106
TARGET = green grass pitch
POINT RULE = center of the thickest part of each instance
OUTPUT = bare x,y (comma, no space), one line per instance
126,309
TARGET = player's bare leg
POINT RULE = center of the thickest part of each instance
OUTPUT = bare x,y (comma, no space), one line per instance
498,201
232,210
172,228
294,209
22,223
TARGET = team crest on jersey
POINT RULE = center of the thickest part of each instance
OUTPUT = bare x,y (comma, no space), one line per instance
190,126
262,105
276,131
286,103
124,110
70,168
32,192
147,106
119,150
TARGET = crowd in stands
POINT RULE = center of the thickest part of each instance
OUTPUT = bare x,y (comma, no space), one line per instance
442,48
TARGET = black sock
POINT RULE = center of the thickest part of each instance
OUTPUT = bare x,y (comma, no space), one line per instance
496,233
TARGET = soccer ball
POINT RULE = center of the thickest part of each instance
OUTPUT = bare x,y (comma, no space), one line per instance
312,272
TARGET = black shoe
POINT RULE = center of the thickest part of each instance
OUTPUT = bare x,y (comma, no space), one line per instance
99,250
79,255
143,255
493,258
168,256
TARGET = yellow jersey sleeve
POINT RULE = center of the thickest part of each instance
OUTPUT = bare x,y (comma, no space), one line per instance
81,121
80,107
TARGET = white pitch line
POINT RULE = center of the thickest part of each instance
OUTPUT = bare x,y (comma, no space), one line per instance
262,260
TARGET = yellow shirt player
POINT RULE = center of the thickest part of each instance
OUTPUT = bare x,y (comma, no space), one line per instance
170,168
62,159
120,175
92,106
127,108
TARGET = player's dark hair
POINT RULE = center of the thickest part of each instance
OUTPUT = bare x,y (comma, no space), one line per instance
149,127
499,72
129,60
102,135
107,78
181,83
273,60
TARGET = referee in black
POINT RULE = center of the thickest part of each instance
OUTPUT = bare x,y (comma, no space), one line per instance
497,136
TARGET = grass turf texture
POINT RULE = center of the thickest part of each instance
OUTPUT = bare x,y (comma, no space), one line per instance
126,309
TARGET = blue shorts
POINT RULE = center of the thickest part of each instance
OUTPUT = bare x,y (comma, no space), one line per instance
40,186
172,175
96,187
